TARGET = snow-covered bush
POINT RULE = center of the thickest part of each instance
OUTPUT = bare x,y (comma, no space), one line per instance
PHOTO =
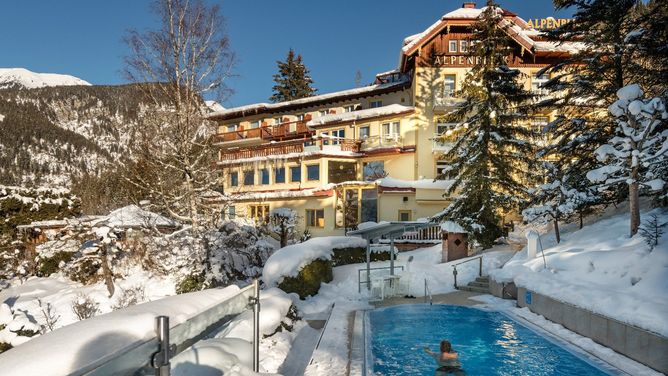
85,307
356,255
16,327
308,280
130,296
639,143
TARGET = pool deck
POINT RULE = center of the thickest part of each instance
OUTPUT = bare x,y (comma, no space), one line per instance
460,298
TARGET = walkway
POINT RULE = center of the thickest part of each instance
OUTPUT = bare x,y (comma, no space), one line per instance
456,298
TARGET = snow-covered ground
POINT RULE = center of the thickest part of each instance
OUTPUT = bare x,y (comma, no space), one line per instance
602,269
25,78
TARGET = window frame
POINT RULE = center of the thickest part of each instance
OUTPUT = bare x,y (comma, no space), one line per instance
276,175
254,124
264,173
231,212
392,132
312,217
292,170
451,43
404,211
376,104
368,129
463,46
252,174
447,80
234,179
308,175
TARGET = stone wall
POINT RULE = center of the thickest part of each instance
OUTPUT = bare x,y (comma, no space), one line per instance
645,347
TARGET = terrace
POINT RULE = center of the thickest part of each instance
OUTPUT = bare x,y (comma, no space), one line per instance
279,132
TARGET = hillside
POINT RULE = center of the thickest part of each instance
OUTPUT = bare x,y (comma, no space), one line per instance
23,78
50,133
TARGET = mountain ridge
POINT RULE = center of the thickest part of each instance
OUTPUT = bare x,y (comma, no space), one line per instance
24,78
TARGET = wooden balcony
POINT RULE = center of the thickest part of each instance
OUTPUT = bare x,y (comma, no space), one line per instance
296,146
280,132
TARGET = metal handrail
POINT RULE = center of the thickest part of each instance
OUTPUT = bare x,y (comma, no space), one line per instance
427,292
454,267
360,282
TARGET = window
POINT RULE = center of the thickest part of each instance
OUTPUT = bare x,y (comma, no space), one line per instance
391,130
249,177
537,82
373,170
339,134
232,127
278,120
264,176
339,172
259,212
350,108
449,85
313,172
324,112
364,132
463,46
443,171
404,215
255,124
442,128
279,175
369,205
376,104
296,174
231,212
234,179
452,46
300,117
315,217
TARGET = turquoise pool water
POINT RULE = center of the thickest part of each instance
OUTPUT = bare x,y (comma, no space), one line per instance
488,343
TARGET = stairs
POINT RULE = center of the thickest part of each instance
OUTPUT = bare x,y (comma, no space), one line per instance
481,285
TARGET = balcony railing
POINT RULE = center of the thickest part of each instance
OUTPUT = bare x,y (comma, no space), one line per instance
290,148
445,102
382,141
284,131
441,144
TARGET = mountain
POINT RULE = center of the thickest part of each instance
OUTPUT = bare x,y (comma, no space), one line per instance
23,78
51,133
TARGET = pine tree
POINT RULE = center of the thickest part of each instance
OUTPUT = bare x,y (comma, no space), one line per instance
585,84
489,158
293,80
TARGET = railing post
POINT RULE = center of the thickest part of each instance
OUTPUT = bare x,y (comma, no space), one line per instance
160,360
480,267
255,300
454,273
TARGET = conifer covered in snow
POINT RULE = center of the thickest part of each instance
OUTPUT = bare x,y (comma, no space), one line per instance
559,199
489,159
293,80
584,85
640,142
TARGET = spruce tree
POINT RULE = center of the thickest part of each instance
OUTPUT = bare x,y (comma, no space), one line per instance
489,158
293,80
585,84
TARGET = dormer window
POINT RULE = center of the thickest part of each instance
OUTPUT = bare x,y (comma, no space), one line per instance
278,120
232,127
376,104
324,112
300,117
350,108
255,124
452,46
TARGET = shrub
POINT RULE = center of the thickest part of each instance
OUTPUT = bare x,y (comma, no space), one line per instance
85,270
308,281
356,255
4,346
85,307
130,296
48,266
193,282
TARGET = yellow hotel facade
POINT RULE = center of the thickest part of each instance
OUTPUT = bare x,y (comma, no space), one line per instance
366,154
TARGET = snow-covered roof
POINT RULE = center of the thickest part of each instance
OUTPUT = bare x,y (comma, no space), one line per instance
259,107
393,109
415,184
134,216
453,227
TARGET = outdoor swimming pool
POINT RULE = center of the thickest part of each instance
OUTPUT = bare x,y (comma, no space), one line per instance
488,343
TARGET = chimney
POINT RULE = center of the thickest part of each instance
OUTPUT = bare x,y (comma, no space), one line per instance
469,5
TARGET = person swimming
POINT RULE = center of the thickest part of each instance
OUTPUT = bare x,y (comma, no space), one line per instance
447,359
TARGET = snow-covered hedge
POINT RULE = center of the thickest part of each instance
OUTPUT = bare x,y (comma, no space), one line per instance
290,260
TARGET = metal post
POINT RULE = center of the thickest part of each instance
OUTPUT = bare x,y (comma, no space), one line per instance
256,325
368,264
392,255
480,267
454,273
160,360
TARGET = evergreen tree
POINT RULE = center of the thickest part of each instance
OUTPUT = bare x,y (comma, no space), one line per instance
293,80
489,158
585,84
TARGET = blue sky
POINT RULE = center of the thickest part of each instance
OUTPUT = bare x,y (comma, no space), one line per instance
336,38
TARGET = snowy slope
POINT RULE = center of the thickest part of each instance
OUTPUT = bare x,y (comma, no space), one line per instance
12,77
601,269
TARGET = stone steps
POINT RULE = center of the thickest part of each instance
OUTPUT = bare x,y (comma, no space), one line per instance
481,285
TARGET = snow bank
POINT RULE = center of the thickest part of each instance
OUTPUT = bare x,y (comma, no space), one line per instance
106,335
601,269
453,227
288,261
134,216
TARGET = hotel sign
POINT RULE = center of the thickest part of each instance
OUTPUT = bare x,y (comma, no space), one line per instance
463,60
547,23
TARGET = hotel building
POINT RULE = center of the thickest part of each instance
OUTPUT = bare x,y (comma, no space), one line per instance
372,153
